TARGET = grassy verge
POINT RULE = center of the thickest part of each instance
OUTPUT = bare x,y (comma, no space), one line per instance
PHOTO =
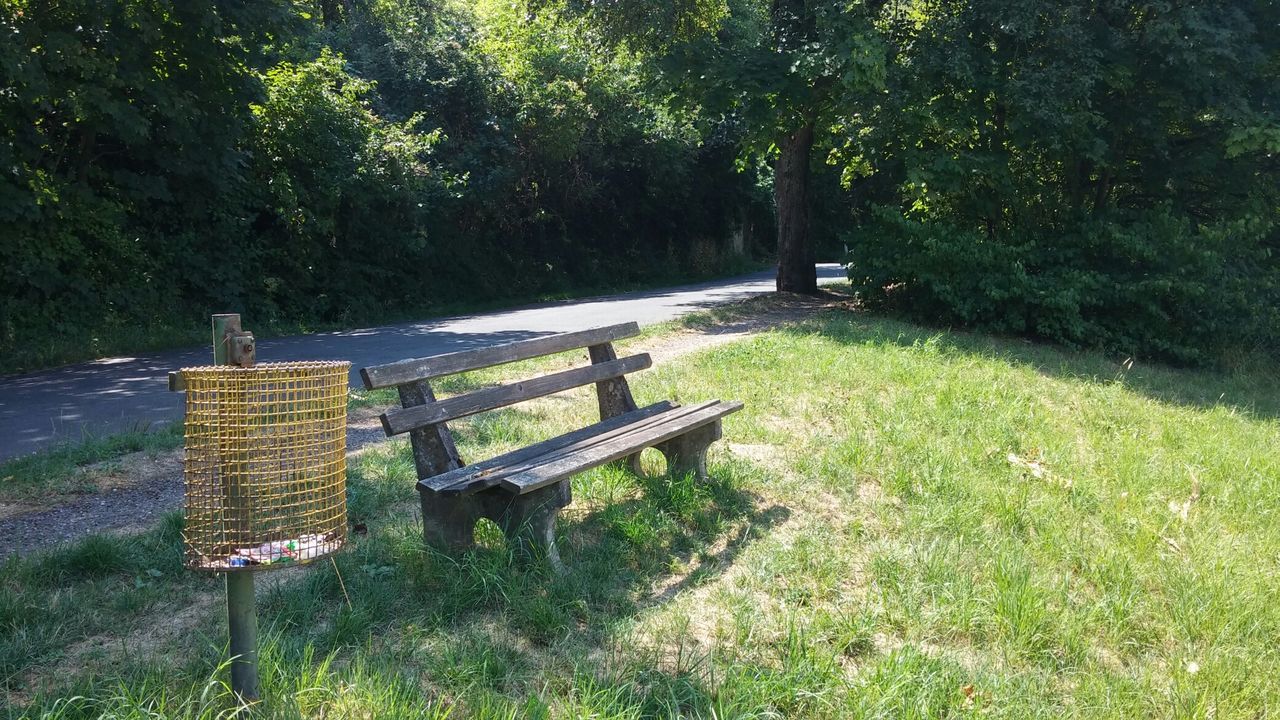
902,524
76,467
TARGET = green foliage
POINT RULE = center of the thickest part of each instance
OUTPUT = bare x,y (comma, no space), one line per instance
332,164
783,65
346,198
1100,175
585,180
785,71
118,133
774,65
1153,282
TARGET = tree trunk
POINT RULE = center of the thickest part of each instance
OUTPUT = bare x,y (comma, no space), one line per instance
1103,192
796,270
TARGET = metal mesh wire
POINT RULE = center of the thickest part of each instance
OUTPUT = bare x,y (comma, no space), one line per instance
265,468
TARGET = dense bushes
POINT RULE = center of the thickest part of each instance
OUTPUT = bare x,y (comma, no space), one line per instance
1154,283
1100,174
120,131
1079,172
340,163
344,200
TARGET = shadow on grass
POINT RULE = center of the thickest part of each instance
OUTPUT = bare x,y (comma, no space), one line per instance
615,549
1255,391
483,619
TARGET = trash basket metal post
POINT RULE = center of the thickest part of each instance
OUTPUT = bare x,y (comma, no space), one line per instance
264,474
242,615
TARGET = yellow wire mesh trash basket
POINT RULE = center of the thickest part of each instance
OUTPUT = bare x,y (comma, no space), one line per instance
265,471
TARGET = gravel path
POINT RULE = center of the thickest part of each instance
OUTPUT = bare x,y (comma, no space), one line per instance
120,510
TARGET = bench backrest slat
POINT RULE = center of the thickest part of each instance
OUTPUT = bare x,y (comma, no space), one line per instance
407,371
404,419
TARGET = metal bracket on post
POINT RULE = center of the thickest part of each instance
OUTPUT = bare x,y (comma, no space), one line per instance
234,346
240,349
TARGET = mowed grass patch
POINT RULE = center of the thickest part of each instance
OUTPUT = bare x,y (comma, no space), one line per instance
1068,535
925,525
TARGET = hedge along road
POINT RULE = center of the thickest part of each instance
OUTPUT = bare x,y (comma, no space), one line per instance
123,393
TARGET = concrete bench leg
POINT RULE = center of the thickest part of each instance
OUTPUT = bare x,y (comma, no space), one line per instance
632,463
529,520
688,453
449,521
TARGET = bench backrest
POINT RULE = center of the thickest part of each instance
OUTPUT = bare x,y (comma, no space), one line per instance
407,371
424,416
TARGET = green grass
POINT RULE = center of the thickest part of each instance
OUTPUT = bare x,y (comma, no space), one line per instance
62,469
913,525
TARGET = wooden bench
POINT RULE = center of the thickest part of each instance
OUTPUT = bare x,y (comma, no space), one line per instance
522,491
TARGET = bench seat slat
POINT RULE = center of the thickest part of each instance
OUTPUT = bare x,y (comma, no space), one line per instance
519,461
406,371
404,419
614,449
486,473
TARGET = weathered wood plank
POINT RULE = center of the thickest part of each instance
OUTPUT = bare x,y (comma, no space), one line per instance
486,473
672,415
404,371
613,395
554,449
618,447
433,449
399,420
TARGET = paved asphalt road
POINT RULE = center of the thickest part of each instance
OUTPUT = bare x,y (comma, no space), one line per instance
113,394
